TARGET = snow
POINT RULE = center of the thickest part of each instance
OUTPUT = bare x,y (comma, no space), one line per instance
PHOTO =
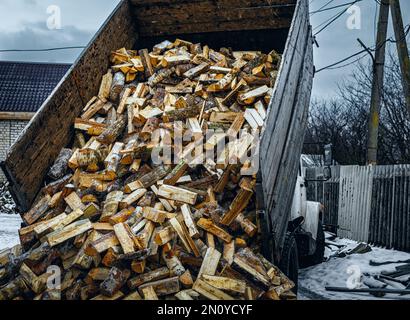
9,226
334,272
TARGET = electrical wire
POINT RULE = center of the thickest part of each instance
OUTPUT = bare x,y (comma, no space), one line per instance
42,50
362,51
331,8
332,19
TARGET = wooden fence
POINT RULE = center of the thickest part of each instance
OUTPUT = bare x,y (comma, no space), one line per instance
366,203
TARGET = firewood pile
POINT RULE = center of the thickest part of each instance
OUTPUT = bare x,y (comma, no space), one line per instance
119,225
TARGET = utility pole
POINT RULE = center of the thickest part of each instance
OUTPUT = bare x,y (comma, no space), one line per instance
377,84
402,50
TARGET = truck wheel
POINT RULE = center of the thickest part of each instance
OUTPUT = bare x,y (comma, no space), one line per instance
289,263
318,255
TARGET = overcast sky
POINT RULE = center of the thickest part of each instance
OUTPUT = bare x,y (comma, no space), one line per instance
24,26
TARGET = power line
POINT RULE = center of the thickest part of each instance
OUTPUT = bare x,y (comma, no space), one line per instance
42,50
329,21
325,5
362,51
331,8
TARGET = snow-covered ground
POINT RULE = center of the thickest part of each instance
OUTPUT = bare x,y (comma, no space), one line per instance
9,226
336,272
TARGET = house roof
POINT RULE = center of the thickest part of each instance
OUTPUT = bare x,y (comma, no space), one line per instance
24,86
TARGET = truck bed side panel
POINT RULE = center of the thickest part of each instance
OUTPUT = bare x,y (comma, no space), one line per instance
50,130
284,133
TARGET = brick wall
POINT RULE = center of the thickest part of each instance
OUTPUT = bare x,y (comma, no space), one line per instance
9,132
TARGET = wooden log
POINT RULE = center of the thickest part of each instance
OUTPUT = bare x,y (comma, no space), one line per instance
210,262
105,87
229,252
250,263
226,284
189,222
148,179
102,244
163,287
154,215
172,178
149,128
186,279
149,294
114,282
97,274
238,205
173,263
154,275
59,169
164,236
146,62
250,228
125,237
177,194
93,109
209,291
111,133
210,227
117,86
132,198
68,232
37,211
196,71
74,201
122,105
111,205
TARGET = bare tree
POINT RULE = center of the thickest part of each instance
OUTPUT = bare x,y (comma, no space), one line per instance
343,121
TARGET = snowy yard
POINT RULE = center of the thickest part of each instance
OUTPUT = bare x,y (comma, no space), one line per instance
334,272
9,226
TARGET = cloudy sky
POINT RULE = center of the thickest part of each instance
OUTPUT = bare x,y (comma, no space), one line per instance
24,26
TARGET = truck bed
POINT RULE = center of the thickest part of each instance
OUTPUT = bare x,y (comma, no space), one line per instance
282,25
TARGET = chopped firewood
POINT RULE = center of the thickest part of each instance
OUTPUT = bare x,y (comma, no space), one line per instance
210,262
105,87
123,235
250,263
226,284
250,96
68,232
210,227
238,205
186,279
149,293
177,194
229,252
173,177
154,215
132,211
189,222
115,280
118,83
209,291
163,287
37,211
102,244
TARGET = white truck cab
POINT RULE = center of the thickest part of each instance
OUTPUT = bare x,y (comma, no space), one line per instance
304,244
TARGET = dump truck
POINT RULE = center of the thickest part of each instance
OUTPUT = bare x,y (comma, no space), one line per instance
281,25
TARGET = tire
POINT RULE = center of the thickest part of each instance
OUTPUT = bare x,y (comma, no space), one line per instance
318,255
289,262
